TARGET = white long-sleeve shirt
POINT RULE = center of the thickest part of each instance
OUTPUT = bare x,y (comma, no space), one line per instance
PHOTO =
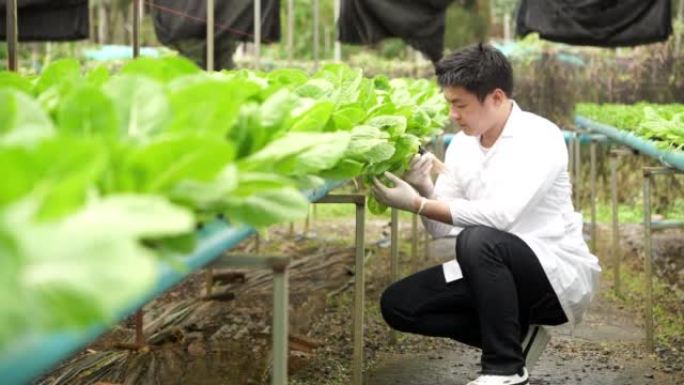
521,185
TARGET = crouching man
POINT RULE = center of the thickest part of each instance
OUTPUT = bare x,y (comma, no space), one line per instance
521,260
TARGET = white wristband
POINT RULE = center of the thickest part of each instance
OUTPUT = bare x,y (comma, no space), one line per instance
423,201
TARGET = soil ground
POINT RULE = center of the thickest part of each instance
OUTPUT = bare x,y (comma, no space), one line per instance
225,341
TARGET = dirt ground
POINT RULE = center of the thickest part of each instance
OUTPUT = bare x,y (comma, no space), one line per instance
607,348
225,340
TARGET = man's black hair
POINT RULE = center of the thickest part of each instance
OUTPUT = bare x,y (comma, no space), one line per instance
479,68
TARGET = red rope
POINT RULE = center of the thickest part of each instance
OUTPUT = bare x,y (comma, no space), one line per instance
218,26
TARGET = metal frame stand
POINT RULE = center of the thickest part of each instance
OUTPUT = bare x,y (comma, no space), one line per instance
257,34
414,240
359,279
394,259
594,140
308,221
316,10
592,186
279,265
571,156
649,226
210,35
578,174
137,20
139,324
257,243
290,31
337,56
137,16
616,254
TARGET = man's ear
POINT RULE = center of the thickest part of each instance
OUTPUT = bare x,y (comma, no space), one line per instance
498,96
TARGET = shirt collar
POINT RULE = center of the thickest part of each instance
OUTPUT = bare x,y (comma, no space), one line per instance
511,127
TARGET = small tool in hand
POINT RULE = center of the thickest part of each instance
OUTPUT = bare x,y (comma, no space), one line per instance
437,165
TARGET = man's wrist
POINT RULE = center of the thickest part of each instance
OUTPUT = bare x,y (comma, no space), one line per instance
416,204
419,205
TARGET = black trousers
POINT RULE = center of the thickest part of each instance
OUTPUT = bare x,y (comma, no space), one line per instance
504,289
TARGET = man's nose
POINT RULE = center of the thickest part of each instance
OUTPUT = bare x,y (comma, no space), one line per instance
455,115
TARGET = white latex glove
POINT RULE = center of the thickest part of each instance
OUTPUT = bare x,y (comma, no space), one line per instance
418,173
402,196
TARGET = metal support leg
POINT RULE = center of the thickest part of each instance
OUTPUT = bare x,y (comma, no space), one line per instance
139,336
338,46
615,250
314,214
257,34
101,23
93,25
280,325
209,281
571,158
426,246
594,231
257,243
137,8
279,265
394,258
394,245
316,32
12,35
210,35
307,222
290,31
359,295
359,279
648,261
414,240
578,175
649,226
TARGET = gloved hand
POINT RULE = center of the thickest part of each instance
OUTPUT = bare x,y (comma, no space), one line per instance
418,173
402,196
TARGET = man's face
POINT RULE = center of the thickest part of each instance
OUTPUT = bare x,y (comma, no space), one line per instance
466,110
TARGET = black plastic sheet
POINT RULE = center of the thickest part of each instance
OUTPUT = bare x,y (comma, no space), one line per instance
178,20
421,23
603,23
48,20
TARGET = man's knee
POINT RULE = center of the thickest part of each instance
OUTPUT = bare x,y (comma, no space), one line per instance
471,240
393,312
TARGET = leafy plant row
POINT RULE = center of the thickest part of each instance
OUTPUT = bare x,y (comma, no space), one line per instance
107,173
660,123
